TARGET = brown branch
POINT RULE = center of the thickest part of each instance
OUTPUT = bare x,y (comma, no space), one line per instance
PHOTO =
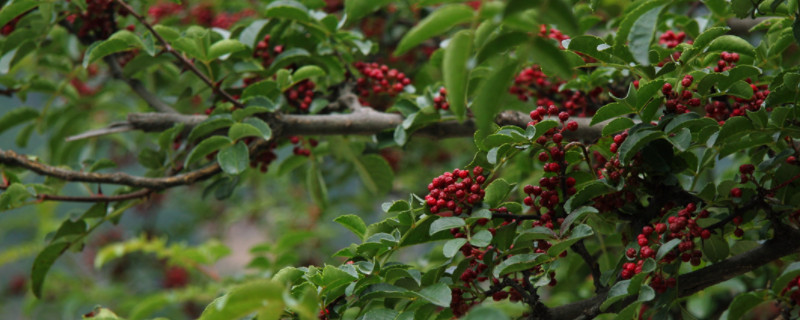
9,157
97,198
186,62
785,242
137,86
360,123
580,248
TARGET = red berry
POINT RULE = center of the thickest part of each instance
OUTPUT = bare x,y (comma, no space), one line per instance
666,89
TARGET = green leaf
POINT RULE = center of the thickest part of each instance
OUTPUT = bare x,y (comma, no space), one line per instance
617,125
617,292
646,293
731,43
496,192
485,105
206,147
446,223
375,172
641,35
254,296
98,210
586,192
357,9
742,303
316,185
500,44
636,142
611,110
629,19
151,159
249,35
575,215
13,196
261,88
733,127
224,47
555,12
241,130
666,248
715,248
70,228
208,127
122,40
452,246
581,231
287,9
788,274
438,22
234,159
519,262
41,265
353,223
483,312
551,58
17,116
481,238
438,294
286,58
589,45
16,9
455,72
306,72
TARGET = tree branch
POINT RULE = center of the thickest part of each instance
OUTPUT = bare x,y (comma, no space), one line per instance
359,123
137,86
97,198
188,64
785,242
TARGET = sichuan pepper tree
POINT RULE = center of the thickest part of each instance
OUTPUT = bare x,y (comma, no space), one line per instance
638,166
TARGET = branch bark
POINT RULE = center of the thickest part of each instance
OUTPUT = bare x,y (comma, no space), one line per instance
785,242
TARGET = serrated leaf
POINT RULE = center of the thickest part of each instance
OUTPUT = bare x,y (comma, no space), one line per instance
578,233
438,22
41,265
209,126
666,248
315,184
481,238
287,9
438,294
551,58
611,110
13,196
788,274
742,303
616,293
17,116
375,172
617,125
452,246
586,192
496,192
353,223
122,40
357,9
306,72
484,105
715,248
234,159
455,72
733,127
641,35
261,88
636,142
206,147
446,223
731,43
519,262
15,9
245,299
224,47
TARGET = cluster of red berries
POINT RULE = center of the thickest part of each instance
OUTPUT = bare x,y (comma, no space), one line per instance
671,39
618,140
795,296
379,78
456,192
440,100
302,94
679,103
265,53
201,14
531,82
299,149
726,61
263,159
97,22
553,33
82,88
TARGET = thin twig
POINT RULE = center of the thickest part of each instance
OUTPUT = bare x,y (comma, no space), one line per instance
137,86
186,62
97,198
